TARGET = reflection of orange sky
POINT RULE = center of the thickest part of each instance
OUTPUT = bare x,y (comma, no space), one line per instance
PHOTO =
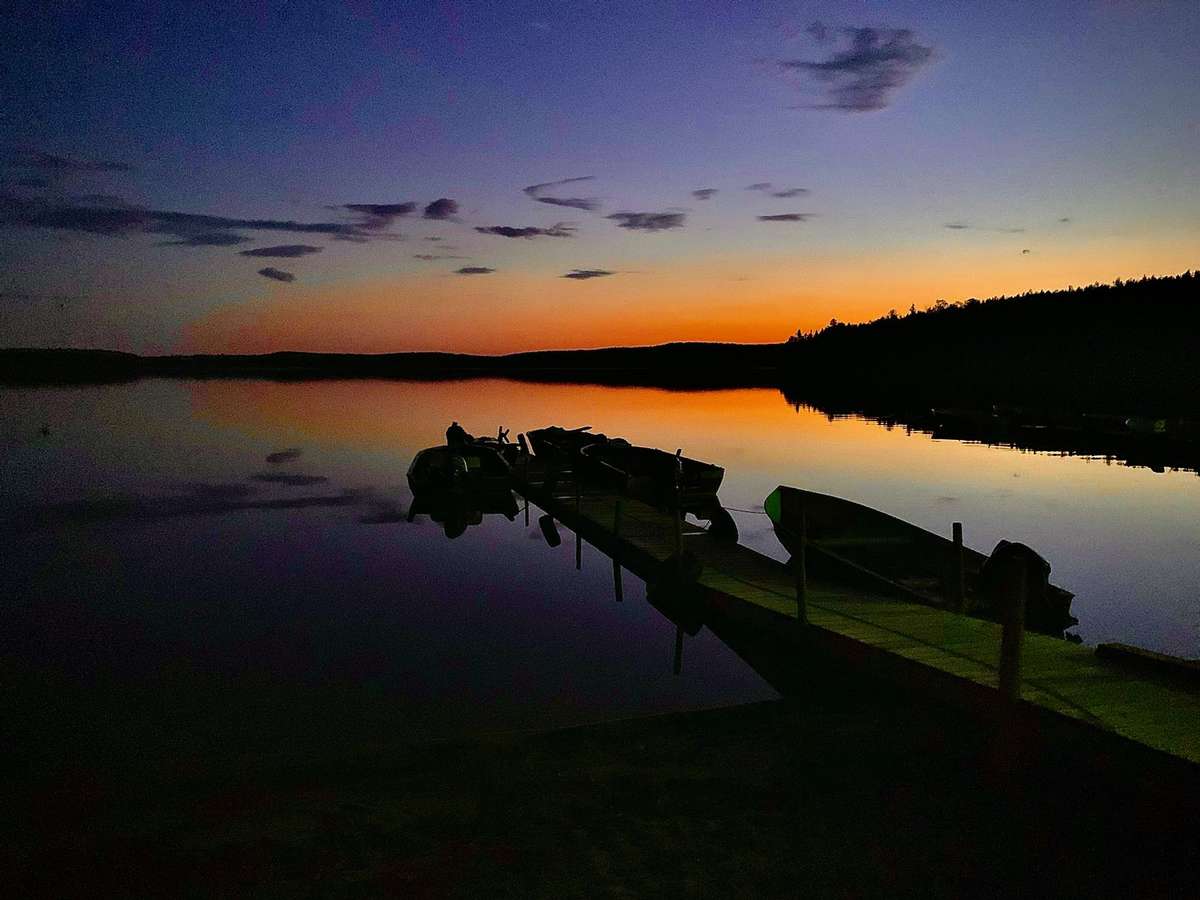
751,301
748,430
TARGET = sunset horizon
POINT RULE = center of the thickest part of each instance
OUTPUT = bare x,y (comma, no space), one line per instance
475,179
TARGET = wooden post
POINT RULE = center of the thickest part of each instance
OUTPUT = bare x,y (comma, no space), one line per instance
527,507
958,589
677,665
578,539
801,564
1013,621
617,586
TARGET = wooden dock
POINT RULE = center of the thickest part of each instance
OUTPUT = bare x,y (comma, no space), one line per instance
1066,690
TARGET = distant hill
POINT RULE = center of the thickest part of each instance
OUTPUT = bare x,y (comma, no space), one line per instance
1131,345
668,365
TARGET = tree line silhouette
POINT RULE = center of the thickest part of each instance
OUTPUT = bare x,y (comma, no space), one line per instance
1129,345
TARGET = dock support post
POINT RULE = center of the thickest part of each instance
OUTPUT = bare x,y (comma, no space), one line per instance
677,664
958,590
801,564
1013,621
578,539
617,587
679,543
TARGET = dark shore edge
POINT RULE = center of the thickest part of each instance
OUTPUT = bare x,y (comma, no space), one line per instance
853,790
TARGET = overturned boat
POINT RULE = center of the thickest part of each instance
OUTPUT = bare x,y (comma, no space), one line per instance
851,542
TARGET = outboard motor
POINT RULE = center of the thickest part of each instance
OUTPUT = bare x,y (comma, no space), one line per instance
995,582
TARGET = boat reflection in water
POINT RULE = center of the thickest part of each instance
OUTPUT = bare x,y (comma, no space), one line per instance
456,511
457,485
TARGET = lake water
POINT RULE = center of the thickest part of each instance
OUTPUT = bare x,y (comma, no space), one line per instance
156,560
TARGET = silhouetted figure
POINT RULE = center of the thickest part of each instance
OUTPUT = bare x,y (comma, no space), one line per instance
457,436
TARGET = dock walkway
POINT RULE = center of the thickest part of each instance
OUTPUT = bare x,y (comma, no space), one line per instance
948,653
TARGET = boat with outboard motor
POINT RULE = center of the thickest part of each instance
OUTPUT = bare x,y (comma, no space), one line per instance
469,467
851,542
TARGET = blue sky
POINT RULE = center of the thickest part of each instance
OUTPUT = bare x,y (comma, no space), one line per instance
1004,119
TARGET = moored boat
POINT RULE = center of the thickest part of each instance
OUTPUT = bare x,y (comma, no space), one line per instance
469,467
849,541
651,474
562,445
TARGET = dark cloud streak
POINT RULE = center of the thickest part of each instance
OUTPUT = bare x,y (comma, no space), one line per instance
442,208
644,221
585,274
117,219
378,216
283,251
589,204
208,239
865,76
560,229
276,274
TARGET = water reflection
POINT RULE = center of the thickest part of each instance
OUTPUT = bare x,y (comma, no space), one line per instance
456,511
1121,538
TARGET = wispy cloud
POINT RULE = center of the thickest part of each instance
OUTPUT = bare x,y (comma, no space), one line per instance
284,251
645,221
208,239
116,220
967,226
786,217
378,216
430,257
48,162
442,208
765,187
474,270
865,75
560,229
276,274
538,193
704,193
584,274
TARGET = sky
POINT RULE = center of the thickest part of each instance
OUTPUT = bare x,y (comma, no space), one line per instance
495,177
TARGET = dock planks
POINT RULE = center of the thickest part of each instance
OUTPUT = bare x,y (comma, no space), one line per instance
946,652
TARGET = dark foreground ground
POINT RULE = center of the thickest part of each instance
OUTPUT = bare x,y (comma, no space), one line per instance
858,793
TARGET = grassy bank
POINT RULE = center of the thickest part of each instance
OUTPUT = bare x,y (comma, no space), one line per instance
856,792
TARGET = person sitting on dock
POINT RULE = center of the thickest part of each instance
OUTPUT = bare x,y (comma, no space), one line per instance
457,436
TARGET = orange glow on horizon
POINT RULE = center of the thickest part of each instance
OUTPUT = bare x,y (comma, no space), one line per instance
515,311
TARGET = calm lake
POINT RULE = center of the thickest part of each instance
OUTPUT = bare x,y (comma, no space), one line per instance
237,551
